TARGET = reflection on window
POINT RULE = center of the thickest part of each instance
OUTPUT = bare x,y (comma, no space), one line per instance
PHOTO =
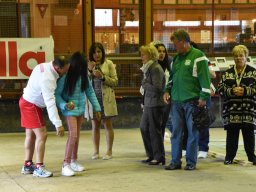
181,23
222,23
131,23
103,17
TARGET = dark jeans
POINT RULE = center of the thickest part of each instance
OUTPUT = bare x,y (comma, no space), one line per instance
204,138
182,120
204,135
169,123
203,142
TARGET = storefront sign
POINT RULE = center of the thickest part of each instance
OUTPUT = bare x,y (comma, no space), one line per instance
18,56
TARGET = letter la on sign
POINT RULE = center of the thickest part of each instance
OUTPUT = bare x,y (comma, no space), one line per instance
17,62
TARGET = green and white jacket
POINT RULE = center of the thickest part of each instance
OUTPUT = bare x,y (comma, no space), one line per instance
189,77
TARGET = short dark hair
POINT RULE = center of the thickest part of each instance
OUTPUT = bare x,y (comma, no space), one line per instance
93,49
194,44
60,61
180,35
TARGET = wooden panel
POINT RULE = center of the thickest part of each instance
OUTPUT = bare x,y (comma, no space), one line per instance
210,1
241,1
126,1
67,38
183,1
157,1
169,1
198,1
159,15
226,1
41,25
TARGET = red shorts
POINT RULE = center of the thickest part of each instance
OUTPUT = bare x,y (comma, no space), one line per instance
31,115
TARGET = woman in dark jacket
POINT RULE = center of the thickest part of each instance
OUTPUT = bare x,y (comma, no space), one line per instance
165,61
152,90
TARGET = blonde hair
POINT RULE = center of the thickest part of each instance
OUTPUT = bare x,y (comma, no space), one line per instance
240,49
151,51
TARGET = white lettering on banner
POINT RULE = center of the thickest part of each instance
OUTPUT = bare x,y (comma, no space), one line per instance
18,56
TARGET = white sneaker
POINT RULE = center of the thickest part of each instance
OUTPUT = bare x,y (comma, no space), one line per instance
42,172
95,156
166,136
202,155
184,153
107,157
76,166
67,171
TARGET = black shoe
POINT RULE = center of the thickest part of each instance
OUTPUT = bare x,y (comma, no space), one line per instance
189,167
156,162
228,162
253,160
146,160
172,167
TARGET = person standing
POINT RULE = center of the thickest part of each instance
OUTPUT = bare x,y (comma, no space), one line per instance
164,60
190,86
204,134
71,91
104,78
237,87
152,90
38,94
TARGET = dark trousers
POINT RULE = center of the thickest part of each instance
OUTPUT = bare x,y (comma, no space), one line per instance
203,142
167,109
233,138
151,132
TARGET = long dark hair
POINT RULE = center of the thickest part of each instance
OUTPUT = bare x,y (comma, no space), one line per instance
78,68
93,50
165,63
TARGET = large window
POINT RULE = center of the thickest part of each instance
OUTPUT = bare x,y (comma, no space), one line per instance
234,25
117,25
171,17
215,28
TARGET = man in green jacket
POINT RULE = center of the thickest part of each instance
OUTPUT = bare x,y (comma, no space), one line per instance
189,85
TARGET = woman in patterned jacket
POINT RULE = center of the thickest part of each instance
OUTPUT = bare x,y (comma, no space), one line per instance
238,88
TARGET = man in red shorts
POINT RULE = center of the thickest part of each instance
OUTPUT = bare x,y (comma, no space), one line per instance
38,94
